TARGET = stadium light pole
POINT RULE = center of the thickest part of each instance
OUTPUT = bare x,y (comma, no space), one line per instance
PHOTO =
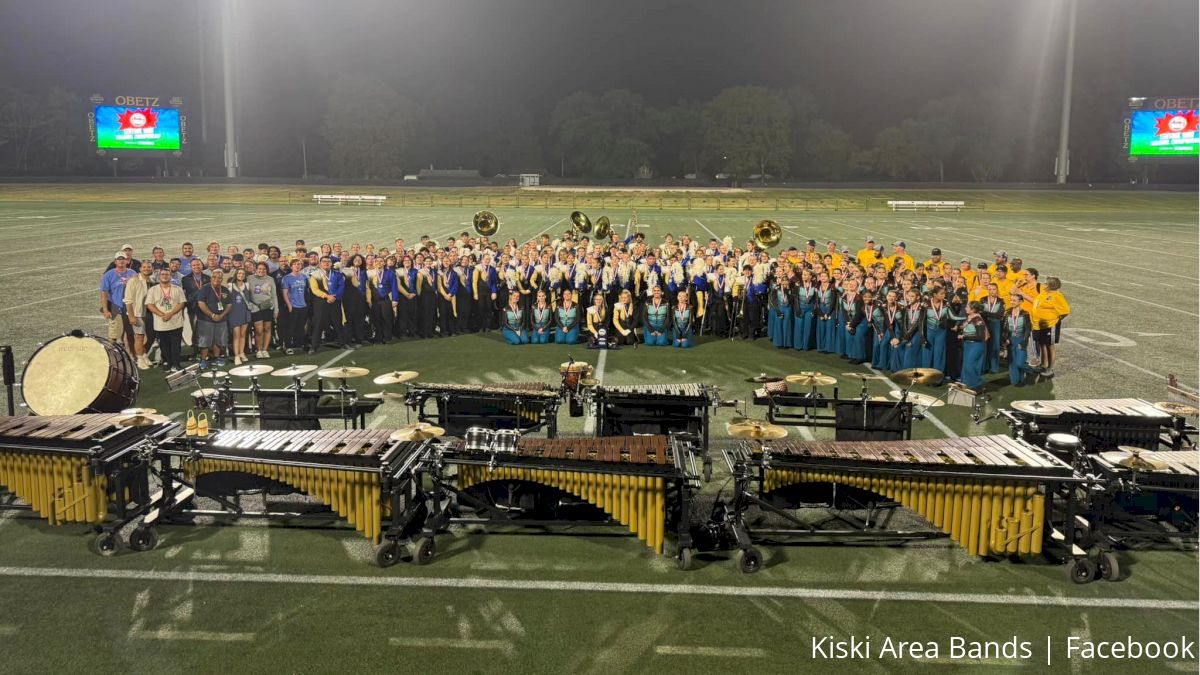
227,46
1062,163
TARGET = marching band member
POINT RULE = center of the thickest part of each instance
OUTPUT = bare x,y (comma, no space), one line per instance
566,317
380,282
912,339
541,319
406,299
682,322
656,320
1017,329
885,327
854,318
974,337
354,301
485,282
779,314
512,322
826,309
698,271
756,298
1049,309
327,288
804,313
597,319
428,298
624,319
993,317
447,290
937,325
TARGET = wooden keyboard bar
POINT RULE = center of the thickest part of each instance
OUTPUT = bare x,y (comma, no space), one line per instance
945,454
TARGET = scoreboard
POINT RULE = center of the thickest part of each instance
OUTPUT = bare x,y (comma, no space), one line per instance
137,126
1162,128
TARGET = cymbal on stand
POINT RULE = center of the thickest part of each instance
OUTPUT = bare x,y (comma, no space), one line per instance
913,376
253,370
919,400
757,430
1177,409
294,370
418,431
1037,408
343,372
811,379
397,377
763,378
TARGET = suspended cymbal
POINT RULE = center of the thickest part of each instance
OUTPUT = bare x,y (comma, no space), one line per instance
589,382
1177,409
214,374
1037,408
384,396
397,377
203,393
757,430
251,371
1131,457
419,431
574,367
343,372
811,379
138,411
142,420
920,400
763,378
864,376
913,376
294,370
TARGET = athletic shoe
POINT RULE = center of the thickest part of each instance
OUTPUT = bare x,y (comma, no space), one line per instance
1048,373
289,351
220,362
203,364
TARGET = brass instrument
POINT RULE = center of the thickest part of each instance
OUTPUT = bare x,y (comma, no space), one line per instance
767,233
485,223
580,222
603,228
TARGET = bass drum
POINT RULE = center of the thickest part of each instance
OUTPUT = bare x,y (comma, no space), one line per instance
79,373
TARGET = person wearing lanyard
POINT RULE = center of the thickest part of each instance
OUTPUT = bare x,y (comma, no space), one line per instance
912,337
294,286
567,318
857,329
327,287
597,320
993,317
825,307
937,319
974,339
541,317
623,319
1017,329
167,302
112,300
655,320
512,322
779,314
682,320
885,322
211,332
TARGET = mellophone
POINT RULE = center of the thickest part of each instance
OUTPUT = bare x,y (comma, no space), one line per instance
525,406
654,408
86,469
992,495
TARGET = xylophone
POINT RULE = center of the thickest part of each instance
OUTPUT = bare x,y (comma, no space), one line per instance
524,406
78,469
990,494
1102,424
645,483
360,474
654,409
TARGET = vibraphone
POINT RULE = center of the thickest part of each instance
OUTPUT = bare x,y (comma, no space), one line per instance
654,409
78,469
1104,424
1144,505
644,483
361,475
524,406
992,495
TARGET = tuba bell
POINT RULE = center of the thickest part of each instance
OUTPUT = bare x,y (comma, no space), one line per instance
485,223
603,228
767,233
581,223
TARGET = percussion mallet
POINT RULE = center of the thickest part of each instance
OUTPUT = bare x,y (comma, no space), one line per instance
10,377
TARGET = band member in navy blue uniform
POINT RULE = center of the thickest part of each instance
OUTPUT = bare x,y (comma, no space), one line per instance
485,289
381,298
447,296
752,311
354,301
428,299
327,287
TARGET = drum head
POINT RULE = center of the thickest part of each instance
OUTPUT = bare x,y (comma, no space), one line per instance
478,439
65,376
1062,441
507,441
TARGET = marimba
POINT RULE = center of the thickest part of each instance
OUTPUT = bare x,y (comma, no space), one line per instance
360,474
524,406
644,483
654,409
1103,424
989,494
78,469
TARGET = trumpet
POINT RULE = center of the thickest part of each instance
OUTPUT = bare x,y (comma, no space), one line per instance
485,223
767,233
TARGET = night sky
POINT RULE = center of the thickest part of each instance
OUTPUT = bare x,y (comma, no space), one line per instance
870,63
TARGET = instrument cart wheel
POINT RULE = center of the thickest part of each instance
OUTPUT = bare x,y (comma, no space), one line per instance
143,538
106,544
423,550
387,553
749,560
685,558
1082,570
1109,568
708,469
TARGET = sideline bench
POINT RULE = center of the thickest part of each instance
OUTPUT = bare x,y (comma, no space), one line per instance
356,200
926,205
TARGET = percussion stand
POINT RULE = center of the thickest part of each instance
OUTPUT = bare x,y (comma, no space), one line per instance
296,385
342,391
227,390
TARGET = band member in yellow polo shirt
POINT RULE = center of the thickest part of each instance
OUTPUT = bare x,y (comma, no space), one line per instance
866,254
935,265
1050,307
969,275
901,258
1001,259
831,250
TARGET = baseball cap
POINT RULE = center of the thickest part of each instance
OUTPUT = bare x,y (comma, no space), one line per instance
936,251
871,239
119,254
901,244
812,242
965,260
1001,254
126,247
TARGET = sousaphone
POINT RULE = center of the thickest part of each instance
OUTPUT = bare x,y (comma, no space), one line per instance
485,223
581,223
603,228
767,233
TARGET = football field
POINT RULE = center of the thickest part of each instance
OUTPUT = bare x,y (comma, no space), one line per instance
305,599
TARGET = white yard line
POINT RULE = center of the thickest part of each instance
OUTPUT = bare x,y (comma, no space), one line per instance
725,652
548,228
928,415
56,297
547,585
1077,343
328,363
505,646
168,633
714,234
589,425
1082,235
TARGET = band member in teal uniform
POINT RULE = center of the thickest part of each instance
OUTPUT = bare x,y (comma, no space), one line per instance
993,317
683,320
937,326
512,321
912,340
857,328
974,345
656,319
826,307
885,341
1017,329
779,313
804,313
839,317
541,319
566,316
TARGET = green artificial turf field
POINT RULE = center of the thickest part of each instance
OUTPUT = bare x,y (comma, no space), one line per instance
304,600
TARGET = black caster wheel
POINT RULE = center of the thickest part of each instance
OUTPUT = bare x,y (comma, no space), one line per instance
1109,568
387,553
106,544
708,470
685,558
143,539
749,560
1082,570
423,550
